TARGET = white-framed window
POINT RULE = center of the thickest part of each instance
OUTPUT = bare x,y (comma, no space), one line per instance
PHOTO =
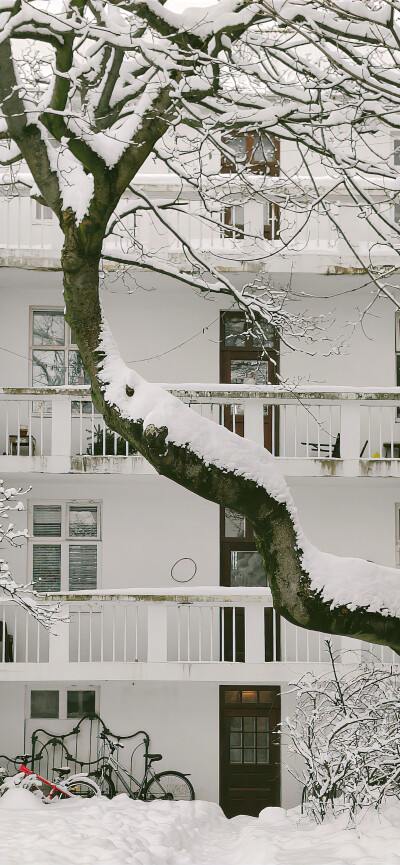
54,355
396,151
64,546
64,703
43,213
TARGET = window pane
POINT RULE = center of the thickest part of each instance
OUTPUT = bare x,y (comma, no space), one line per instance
268,334
234,524
235,331
237,147
236,723
47,521
249,740
76,371
44,704
47,212
238,214
250,723
262,723
249,755
249,372
83,406
262,755
232,696
396,152
82,521
82,567
235,755
235,740
80,703
48,368
247,569
48,327
47,567
263,149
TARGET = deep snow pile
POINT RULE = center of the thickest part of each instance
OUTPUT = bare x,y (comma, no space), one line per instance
124,831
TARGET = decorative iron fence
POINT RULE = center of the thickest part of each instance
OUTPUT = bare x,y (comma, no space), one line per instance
80,748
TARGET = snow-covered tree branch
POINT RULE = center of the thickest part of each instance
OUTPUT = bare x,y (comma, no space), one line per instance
23,595
110,84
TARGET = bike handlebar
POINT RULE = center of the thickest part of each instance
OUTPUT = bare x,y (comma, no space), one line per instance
112,745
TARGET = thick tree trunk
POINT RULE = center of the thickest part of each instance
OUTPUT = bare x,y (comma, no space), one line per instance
273,524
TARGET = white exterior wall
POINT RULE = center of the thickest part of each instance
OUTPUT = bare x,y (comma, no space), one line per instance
152,522
160,314
182,719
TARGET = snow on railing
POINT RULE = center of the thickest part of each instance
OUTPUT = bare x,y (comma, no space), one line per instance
324,423
213,625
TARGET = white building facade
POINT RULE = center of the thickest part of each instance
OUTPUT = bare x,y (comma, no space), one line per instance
171,628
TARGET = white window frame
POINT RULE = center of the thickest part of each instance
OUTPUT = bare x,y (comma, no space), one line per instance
233,230
62,699
42,213
65,539
66,347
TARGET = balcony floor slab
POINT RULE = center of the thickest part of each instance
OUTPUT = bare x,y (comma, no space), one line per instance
275,672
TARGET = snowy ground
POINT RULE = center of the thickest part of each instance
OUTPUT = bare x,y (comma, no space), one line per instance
123,831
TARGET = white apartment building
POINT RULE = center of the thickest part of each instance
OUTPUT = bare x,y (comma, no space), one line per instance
171,628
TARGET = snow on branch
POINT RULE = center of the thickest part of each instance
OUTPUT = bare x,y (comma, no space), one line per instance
339,581
105,85
22,595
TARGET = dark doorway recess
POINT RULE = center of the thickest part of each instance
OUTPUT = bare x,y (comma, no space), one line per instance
249,749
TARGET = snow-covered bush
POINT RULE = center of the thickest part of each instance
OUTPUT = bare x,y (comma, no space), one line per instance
346,729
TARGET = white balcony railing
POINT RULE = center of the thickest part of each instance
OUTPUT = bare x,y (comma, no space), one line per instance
340,426
214,627
26,237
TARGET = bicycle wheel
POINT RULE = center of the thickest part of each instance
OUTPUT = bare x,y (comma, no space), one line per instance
84,787
105,784
169,785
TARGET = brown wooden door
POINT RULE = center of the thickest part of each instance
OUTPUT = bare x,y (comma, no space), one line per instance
249,749
244,360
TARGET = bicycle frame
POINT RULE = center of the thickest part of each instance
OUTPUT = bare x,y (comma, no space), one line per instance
111,762
55,787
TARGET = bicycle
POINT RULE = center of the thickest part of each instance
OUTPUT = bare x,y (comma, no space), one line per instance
168,785
61,788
